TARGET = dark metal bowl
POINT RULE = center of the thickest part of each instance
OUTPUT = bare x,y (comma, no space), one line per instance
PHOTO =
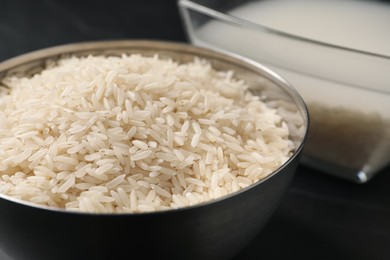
214,230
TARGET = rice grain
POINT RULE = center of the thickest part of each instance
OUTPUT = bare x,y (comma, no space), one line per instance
134,134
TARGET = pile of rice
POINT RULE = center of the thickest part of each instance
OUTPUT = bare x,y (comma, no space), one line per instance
134,134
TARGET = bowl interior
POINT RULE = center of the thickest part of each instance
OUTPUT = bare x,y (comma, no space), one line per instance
273,89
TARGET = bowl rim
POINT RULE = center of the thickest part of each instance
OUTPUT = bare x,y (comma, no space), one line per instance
57,51
226,17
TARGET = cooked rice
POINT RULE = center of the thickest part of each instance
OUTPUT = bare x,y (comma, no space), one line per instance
134,134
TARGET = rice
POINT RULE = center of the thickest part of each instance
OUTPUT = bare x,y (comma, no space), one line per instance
134,134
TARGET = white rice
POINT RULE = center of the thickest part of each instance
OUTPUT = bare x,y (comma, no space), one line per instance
134,134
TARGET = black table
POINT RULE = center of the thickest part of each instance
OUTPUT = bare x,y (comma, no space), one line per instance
321,217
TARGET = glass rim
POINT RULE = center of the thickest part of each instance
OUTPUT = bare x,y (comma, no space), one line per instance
223,16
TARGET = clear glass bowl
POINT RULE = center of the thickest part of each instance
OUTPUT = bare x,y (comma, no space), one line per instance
347,89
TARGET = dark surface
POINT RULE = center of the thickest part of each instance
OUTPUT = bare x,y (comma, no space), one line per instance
321,217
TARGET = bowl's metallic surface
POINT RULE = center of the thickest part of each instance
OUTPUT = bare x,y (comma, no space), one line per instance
214,230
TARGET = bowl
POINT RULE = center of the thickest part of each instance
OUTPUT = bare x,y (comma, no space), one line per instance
335,53
217,229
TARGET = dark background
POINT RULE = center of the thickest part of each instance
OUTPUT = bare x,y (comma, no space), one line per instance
321,217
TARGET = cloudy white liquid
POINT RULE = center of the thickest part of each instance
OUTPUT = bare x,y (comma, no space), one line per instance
358,24
342,70
324,74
